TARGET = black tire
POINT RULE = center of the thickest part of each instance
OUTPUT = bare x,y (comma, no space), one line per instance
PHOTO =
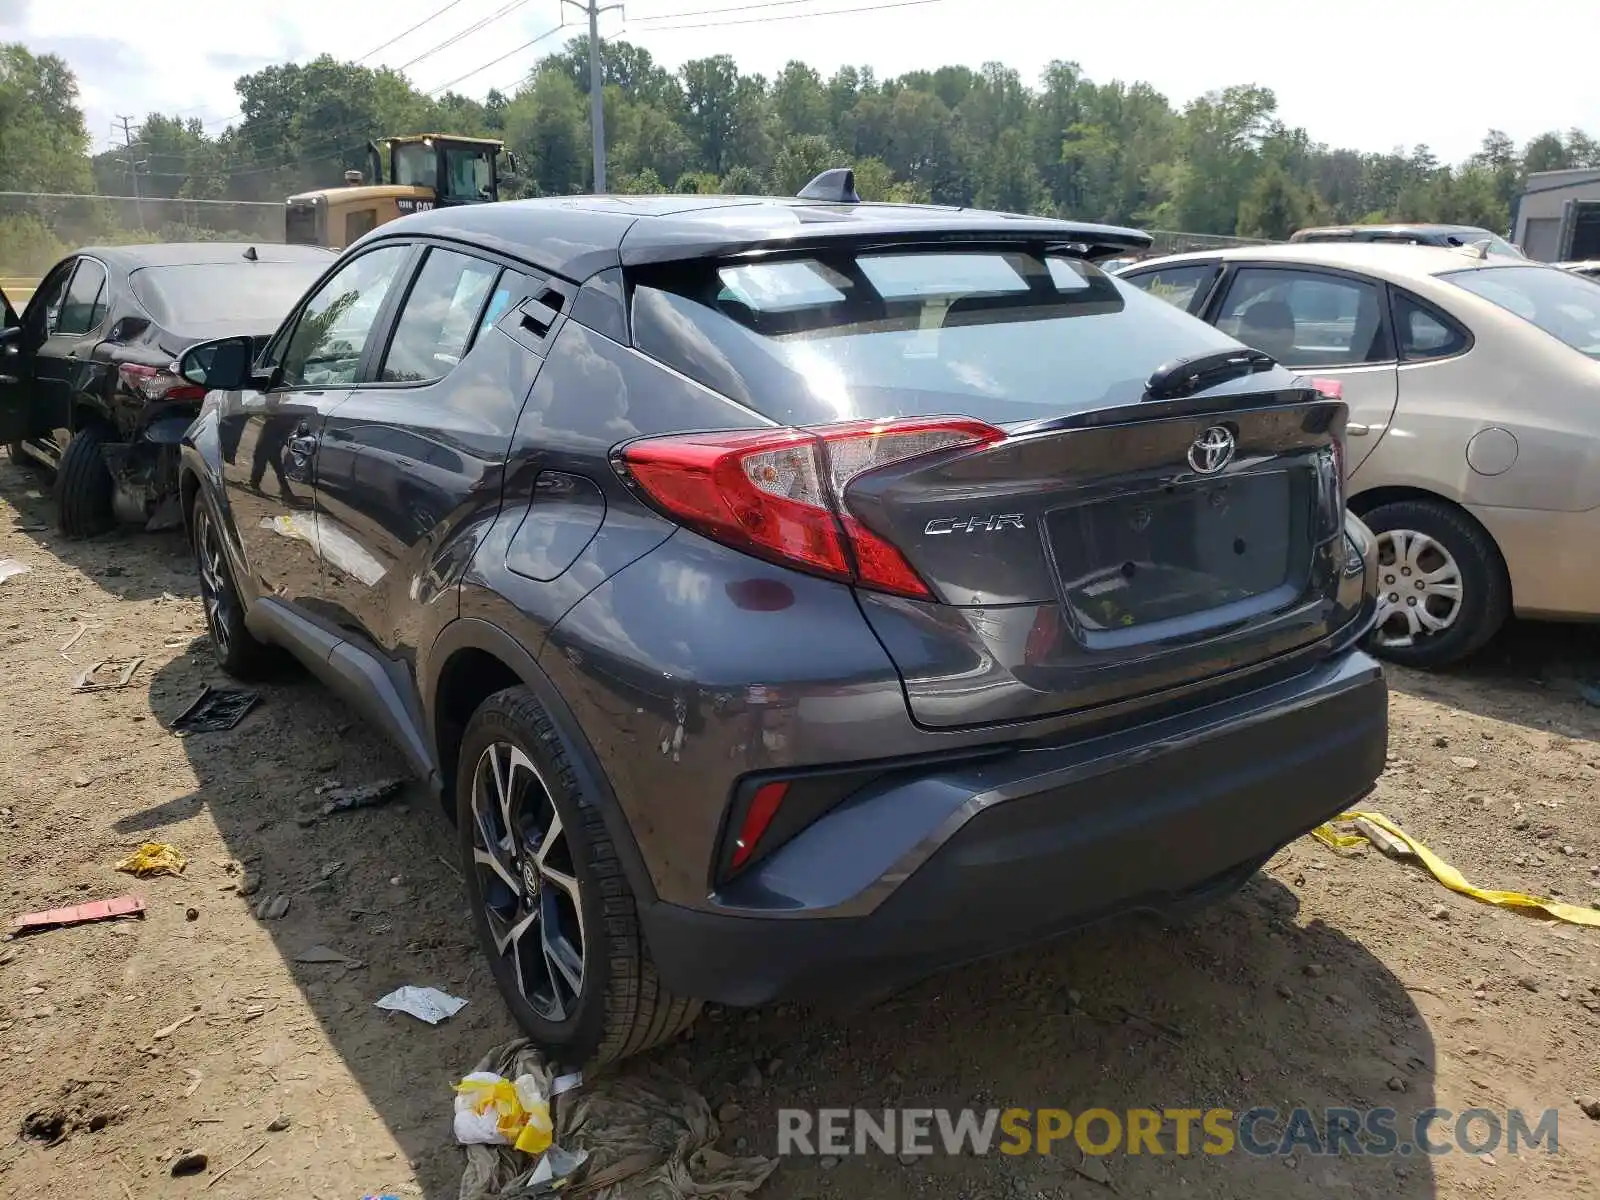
1485,601
83,486
620,1007
237,652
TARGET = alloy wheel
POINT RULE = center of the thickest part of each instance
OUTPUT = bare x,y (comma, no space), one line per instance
216,593
1419,588
526,878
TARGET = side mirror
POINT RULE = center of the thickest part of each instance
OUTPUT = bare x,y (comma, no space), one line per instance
222,365
511,161
11,335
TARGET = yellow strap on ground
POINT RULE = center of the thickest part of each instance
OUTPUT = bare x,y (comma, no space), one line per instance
1576,914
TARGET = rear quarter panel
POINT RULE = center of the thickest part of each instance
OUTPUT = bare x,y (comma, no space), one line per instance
1515,378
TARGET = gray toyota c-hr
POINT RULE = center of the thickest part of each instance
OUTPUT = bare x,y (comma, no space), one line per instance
790,598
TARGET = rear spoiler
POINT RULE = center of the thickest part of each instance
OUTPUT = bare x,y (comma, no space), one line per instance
972,230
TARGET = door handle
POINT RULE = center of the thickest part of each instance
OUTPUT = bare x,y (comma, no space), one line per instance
1355,430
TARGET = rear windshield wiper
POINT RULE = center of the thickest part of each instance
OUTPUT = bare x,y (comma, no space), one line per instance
1185,376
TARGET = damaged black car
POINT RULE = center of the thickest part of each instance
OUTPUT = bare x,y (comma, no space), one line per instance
88,390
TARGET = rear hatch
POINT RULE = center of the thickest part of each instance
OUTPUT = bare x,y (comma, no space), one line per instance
1129,525
1077,566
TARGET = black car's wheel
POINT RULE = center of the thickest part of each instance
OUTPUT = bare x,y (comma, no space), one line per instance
1443,588
83,486
237,652
551,906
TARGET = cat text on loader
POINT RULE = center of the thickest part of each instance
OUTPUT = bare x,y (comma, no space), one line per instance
425,171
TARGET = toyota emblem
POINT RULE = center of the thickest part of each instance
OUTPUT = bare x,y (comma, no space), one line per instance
1212,450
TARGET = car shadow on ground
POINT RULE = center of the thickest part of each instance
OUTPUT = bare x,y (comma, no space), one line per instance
126,562
1248,1005
1516,677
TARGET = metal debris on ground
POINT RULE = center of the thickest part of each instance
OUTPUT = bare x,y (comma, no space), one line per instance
10,567
215,710
75,638
362,795
122,671
79,914
154,858
327,954
1575,914
424,1003
643,1135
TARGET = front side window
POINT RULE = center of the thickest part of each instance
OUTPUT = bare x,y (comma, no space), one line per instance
416,165
1176,285
1305,318
327,343
85,304
1004,335
49,299
1558,302
439,318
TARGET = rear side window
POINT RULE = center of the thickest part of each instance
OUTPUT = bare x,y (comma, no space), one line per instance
1424,333
511,288
1176,285
245,293
85,305
439,318
1002,335
1305,318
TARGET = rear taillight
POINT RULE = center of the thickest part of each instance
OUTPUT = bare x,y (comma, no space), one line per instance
158,383
1333,389
779,493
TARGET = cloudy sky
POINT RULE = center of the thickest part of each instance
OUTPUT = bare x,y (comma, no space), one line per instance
1376,75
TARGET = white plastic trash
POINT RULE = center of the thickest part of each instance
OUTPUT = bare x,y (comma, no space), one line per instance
425,1003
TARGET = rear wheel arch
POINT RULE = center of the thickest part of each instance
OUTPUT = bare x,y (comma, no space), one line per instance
1470,542
473,659
1364,503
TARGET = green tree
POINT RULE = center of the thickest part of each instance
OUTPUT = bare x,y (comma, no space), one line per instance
43,143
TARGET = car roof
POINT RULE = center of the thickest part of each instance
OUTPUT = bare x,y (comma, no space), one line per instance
1397,263
1421,227
176,254
576,236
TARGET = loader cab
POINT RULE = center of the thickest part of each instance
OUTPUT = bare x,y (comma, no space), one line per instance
455,170
424,171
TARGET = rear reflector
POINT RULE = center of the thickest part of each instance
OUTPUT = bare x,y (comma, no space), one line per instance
763,807
779,493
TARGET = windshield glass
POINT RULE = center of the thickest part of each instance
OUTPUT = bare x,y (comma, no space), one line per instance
1558,302
1006,336
416,165
258,294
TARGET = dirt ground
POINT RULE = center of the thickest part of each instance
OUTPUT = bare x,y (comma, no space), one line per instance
1330,980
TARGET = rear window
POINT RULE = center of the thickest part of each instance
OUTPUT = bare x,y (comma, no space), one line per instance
247,293
1558,302
1004,336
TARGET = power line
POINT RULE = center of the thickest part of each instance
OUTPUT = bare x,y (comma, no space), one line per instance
494,62
832,12
703,12
433,16
499,13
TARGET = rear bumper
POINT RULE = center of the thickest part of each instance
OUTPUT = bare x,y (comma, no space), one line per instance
957,862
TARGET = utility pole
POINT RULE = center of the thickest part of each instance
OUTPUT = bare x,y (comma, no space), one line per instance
597,101
128,146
